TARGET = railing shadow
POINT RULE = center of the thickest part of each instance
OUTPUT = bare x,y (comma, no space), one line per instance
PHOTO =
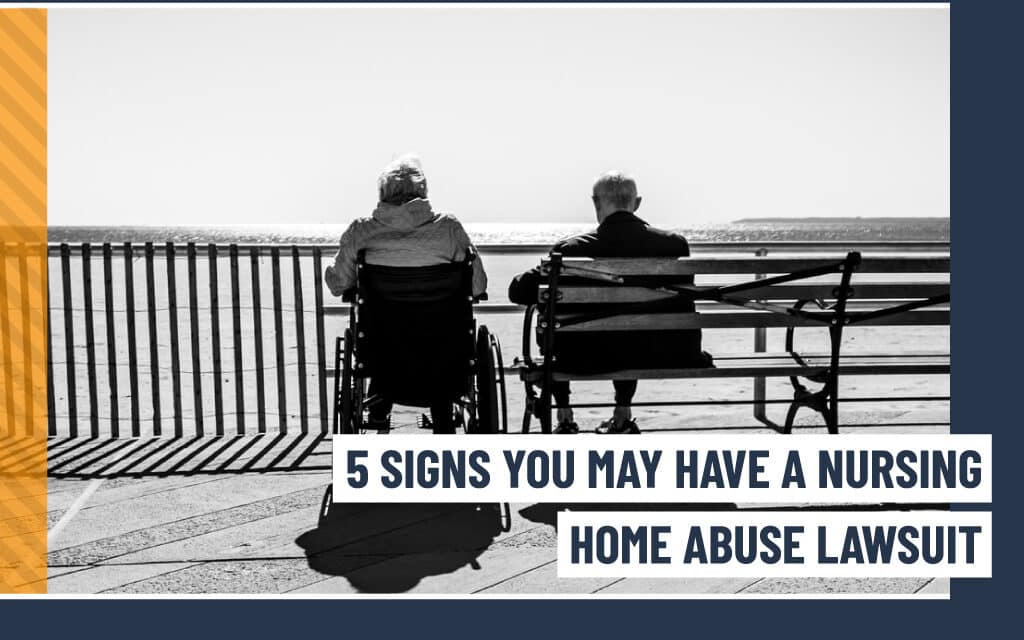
83,458
391,548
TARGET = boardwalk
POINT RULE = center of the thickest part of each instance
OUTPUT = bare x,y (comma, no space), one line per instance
188,452
239,515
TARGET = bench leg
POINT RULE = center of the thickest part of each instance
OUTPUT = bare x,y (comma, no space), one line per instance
760,346
832,412
544,409
790,417
820,401
760,413
530,408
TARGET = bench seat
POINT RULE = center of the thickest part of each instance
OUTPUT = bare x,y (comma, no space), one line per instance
767,365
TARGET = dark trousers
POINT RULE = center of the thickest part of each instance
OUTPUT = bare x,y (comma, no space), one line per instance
441,414
624,392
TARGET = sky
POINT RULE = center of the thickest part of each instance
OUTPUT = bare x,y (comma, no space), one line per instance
194,115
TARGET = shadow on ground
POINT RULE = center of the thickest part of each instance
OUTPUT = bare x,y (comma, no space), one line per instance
87,457
390,548
548,513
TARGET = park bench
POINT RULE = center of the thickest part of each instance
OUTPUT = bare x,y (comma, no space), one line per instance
788,292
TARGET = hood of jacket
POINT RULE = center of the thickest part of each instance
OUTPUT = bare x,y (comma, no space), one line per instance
410,215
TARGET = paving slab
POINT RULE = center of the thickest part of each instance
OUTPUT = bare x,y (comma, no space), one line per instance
104,578
224,577
670,586
433,573
181,503
118,544
836,585
276,536
110,492
544,579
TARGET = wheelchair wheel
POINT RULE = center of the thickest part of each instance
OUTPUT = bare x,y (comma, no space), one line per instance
347,401
502,396
490,385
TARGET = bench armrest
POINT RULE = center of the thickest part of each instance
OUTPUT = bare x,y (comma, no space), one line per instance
531,309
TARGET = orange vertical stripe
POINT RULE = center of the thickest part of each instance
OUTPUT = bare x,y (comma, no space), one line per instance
23,304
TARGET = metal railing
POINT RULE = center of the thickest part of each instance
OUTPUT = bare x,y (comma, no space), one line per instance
159,364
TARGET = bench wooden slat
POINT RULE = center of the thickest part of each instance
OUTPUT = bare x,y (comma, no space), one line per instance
822,357
573,294
934,263
739,319
775,366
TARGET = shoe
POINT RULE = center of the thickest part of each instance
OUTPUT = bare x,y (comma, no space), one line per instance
609,426
566,427
382,425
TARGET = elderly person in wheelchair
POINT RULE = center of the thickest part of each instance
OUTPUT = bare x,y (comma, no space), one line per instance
412,275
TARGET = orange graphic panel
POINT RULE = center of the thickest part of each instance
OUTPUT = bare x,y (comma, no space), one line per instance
23,302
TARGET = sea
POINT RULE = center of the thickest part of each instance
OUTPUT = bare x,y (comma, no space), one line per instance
748,230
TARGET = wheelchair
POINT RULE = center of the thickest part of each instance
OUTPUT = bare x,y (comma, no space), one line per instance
412,333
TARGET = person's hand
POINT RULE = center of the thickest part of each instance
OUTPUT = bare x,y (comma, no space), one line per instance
333,281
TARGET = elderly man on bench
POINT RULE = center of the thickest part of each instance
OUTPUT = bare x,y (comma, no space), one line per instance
620,234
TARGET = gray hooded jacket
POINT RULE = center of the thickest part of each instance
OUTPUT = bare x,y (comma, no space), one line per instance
407,235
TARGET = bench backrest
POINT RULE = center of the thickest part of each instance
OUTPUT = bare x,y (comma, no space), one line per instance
630,285
415,329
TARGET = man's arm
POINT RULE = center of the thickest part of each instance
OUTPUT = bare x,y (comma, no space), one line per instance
341,275
523,288
463,245
684,252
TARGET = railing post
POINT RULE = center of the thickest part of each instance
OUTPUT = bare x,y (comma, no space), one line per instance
154,358
257,329
318,297
760,346
69,341
300,338
90,341
236,340
5,328
218,401
26,342
133,356
51,409
172,313
282,398
108,314
193,315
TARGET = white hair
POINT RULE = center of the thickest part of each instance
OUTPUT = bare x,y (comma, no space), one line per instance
402,180
616,188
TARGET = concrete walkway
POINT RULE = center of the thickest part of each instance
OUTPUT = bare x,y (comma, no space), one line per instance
239,515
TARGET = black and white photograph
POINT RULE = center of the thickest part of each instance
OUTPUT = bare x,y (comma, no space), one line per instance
275,231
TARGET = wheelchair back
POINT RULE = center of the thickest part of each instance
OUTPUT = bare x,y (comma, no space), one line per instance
414,330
